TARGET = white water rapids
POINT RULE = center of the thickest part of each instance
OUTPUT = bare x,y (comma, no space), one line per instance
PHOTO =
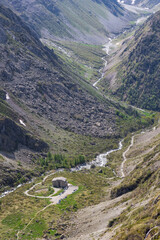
100,161
106,49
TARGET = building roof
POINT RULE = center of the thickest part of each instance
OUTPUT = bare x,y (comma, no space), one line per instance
60,179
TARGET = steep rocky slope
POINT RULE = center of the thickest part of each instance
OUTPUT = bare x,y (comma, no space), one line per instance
12,135
139,71
38,87
32,73
41,98
86,20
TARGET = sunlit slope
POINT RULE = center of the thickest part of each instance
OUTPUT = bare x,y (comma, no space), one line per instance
86,20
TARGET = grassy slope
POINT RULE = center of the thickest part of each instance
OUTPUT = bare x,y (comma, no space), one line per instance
139,72
86,59
25,207
134,222
143,212
61,141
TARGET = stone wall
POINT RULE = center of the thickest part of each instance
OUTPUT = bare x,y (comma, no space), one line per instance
60,182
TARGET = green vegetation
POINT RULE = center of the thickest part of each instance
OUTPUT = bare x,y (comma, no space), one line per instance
36,229
138,177
24,208
133,122
139,71
12,220
84,59
34,217
138,221
142,187
54,161
6,111
94,187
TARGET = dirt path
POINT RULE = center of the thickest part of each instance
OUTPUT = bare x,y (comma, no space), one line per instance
19,232
92,222
125,158
54,199
139,141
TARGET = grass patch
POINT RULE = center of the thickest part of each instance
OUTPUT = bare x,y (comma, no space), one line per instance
12,220
34,230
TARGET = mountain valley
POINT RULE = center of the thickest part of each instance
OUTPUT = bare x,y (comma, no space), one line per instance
79,98
137,78
87,21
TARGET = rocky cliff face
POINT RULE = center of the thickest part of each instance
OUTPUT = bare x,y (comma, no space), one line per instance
12,135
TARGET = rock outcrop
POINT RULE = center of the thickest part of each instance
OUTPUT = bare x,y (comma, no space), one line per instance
12,135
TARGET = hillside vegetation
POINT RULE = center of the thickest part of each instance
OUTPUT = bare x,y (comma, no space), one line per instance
139,72
53,119
142,216
54,102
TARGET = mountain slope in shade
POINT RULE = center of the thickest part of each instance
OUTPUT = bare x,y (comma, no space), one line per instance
86,20
140,71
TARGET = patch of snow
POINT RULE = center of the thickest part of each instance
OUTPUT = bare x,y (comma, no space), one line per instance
7,96
119,1
22,123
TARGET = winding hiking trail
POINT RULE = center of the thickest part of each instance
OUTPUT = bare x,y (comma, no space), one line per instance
130,146
54,199
100,207
125,158
101,161
92,222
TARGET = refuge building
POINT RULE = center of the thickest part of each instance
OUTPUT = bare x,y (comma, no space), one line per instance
60,182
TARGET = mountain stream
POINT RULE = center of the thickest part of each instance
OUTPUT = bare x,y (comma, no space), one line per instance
101,159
